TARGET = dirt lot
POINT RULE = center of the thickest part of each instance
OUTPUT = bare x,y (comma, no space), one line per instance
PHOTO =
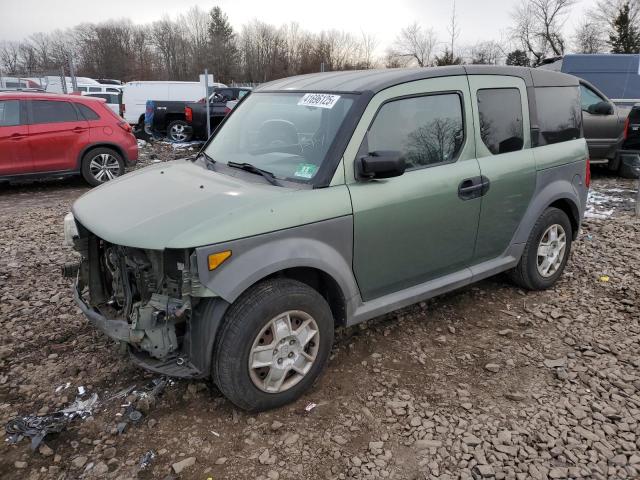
489,381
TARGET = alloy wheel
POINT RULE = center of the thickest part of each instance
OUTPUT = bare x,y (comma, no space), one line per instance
178,133
551,250
284,351
104,167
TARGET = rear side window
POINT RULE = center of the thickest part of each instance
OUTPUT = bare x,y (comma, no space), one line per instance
87,112
500,112
9,113
559,114
425,130
48,111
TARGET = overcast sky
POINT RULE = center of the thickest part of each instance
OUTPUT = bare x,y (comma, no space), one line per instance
478,19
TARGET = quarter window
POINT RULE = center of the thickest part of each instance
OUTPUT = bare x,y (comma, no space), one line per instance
9,113
559,114
500,112
425,130
47,111
87,112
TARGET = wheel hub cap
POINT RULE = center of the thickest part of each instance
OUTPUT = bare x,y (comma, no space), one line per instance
178,133
104,167
551,250
284,351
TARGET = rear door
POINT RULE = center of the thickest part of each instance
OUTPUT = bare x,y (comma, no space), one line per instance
507,164
56,135
15,156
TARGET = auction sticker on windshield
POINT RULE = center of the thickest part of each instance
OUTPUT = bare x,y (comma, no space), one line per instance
306,170
322,100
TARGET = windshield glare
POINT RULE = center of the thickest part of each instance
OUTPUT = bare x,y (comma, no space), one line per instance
287,134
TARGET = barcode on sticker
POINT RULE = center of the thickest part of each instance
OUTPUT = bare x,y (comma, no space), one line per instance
322,100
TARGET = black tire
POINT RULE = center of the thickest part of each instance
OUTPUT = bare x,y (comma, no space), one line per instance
179,131
140,132
245,320
626,170
102,155
526,273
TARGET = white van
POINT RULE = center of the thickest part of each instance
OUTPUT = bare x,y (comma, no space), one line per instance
136,95
91,88
114,100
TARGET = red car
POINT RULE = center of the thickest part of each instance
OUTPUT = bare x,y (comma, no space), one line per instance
49,135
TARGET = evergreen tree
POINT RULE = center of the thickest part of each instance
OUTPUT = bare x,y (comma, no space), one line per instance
625,37
223,47
447,58
518,58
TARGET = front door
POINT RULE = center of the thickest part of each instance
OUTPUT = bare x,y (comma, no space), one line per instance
503,146
56,135
15,157
601,131
415,227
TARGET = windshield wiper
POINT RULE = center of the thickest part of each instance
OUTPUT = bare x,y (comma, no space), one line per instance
248,167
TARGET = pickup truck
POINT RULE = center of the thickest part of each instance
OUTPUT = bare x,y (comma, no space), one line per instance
220,104
167,117
611,138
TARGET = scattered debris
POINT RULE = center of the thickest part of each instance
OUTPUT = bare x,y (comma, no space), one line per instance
37,427
310,407
146,459
604,278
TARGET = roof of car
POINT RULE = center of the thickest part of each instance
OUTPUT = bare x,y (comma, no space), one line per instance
356,81
47,96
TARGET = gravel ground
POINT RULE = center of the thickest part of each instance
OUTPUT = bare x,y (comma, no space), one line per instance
486,382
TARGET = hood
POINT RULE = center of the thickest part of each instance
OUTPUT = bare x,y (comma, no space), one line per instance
180,204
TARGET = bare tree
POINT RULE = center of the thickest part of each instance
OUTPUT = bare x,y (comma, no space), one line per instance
486,53
368,44
588,38
453,29
606,11
538,26
415,44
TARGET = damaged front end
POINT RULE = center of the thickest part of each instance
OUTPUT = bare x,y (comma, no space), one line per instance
144,299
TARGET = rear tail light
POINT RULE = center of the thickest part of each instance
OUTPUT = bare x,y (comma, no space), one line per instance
125,126
188,114
123,109
226,110
587,174
625,133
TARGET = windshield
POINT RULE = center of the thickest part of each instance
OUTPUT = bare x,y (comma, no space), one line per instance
287,134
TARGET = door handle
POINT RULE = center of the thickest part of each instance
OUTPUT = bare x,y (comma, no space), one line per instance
79,129
475,187
17,136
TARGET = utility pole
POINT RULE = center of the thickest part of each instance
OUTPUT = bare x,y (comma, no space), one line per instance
206,99
72,73
63,80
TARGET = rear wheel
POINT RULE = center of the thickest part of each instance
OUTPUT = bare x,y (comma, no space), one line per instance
101,165
179,131
274,343
546,252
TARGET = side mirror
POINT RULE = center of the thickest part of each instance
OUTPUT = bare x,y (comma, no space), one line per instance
381,164
600,108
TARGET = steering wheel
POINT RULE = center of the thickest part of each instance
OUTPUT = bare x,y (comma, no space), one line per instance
278,133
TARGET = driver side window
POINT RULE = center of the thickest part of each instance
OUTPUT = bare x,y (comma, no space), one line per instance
426,130
588,97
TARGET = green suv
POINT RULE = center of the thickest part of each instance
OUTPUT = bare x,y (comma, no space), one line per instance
325,200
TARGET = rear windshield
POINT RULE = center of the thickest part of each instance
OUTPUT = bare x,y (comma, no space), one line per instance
559,114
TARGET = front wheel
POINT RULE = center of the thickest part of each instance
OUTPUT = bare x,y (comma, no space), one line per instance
274,343
546,252
179,131
101,165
